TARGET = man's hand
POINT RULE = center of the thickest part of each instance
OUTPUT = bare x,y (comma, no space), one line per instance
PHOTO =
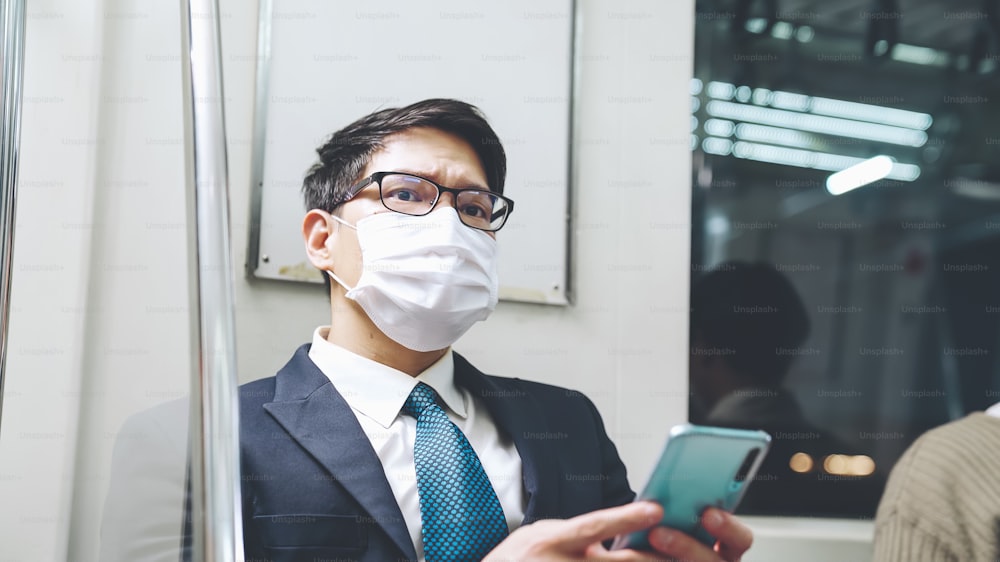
580,538
734,538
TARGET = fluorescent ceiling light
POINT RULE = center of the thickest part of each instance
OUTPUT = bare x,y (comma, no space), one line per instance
823,106
810,159
871,113
720,127
920,55
798,139
860,174
835,162
817,123
788,100
713,145
905,172
772,135
762,96
721,90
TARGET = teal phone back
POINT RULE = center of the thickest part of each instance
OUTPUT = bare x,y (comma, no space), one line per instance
698,469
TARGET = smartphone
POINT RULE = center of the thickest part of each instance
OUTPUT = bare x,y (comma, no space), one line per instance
700,467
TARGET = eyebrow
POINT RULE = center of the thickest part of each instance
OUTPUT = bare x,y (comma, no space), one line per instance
427,176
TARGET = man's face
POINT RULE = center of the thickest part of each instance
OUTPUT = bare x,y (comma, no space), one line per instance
431,153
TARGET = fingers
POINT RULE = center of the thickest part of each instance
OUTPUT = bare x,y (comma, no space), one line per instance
734,538
598,553
596,526
679,546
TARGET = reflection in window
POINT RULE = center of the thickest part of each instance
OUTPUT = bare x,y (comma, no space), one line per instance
846,247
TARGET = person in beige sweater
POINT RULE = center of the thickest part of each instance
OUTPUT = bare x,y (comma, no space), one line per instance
942,501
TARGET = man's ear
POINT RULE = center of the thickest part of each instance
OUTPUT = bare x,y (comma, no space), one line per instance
319,234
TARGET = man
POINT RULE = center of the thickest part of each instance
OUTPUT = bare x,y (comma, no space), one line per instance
369,443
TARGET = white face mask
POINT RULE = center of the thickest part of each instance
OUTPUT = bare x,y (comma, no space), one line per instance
425,280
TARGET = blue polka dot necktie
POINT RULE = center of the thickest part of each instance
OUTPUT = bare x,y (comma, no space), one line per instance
461,516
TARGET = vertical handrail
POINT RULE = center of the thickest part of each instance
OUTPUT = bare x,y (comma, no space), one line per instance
215,473
12,52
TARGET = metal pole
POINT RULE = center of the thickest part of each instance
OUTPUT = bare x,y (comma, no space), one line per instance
215,473
12,51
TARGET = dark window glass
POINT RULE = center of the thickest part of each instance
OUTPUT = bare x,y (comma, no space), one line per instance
846,314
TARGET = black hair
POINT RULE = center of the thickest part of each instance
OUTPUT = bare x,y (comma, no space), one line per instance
750,315
344,155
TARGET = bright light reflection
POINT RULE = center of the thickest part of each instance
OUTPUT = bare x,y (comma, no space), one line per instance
860,465
755,25
859,175
717,225
782,30
800,462
835,464
849,465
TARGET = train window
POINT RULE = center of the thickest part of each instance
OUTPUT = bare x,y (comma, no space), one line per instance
846,241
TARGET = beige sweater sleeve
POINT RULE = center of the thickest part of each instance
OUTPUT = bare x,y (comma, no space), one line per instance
900,540
942,500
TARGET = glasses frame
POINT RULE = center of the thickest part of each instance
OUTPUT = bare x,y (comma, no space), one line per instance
377,177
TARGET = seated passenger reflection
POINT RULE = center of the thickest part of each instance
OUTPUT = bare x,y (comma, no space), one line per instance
747,326
143,517
747,320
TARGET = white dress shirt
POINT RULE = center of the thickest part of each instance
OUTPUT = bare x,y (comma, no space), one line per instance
376,393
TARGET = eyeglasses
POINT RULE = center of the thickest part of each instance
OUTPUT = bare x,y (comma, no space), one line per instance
413,195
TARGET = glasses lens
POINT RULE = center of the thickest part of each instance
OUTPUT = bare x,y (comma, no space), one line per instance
481,209
408,194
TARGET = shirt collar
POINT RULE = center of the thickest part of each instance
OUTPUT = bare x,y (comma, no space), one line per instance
379,391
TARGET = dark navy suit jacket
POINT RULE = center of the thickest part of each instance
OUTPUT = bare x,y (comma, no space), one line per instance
313,488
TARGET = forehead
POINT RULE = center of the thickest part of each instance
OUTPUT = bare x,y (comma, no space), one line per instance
439,155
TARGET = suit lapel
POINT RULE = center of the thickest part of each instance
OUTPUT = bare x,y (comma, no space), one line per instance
518,415
308,406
